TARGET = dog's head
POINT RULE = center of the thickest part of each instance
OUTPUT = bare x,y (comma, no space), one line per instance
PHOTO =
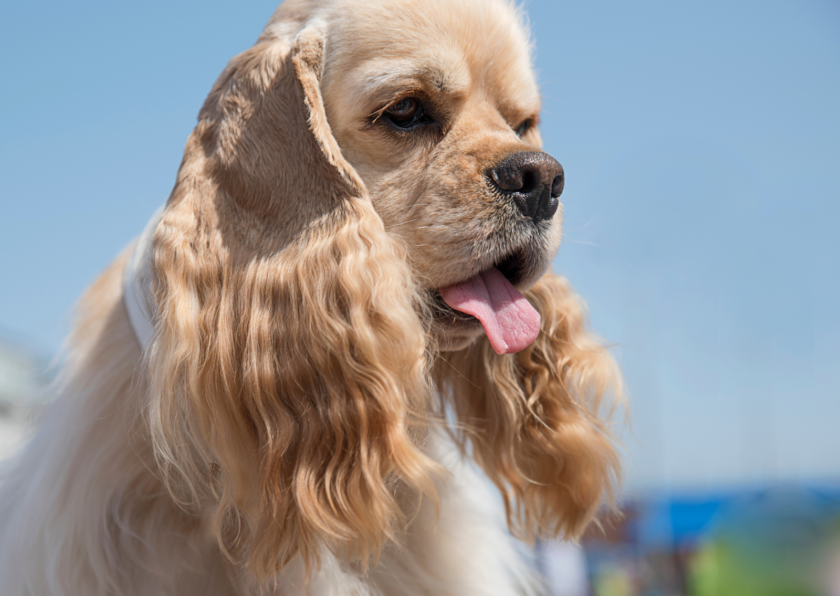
362,174
437,111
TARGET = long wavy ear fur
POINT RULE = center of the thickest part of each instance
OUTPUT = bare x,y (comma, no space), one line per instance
532,419
288,369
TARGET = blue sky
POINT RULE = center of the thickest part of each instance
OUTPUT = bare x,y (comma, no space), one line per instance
701,143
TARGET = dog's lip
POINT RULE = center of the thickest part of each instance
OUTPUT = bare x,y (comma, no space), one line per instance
514,265
442,311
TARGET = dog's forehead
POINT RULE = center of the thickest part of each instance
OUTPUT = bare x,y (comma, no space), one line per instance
456,45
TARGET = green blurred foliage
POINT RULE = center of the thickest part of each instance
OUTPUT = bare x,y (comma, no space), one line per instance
724,568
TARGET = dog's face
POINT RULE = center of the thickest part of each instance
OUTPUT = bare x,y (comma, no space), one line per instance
435,105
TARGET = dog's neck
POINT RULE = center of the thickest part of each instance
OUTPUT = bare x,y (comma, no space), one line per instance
137,283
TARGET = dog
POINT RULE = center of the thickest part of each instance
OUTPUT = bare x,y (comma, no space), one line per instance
289,384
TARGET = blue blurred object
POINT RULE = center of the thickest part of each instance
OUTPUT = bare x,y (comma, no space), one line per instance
739,543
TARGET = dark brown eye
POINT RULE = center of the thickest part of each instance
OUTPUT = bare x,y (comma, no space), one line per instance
524,127
406,113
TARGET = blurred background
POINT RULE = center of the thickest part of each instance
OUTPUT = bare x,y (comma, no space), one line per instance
701,143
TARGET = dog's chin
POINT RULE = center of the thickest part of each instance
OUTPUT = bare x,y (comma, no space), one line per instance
455,333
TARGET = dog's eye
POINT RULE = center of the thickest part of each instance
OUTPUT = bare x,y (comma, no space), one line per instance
406,113
525,126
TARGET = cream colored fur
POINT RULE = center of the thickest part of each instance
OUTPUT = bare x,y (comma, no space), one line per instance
283,432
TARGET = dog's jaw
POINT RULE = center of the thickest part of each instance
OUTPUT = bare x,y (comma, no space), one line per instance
454,334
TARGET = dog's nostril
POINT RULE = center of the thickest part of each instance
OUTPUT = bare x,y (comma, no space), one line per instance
557,185
532,180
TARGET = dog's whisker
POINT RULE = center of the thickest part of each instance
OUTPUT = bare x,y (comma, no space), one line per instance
554,72
408,221
585,225
586,242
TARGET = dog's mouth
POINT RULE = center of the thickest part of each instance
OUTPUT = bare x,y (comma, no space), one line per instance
491,298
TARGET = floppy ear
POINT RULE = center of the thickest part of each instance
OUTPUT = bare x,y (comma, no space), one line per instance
532,418
288,368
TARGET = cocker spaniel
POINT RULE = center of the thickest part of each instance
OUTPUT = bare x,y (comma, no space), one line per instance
344,301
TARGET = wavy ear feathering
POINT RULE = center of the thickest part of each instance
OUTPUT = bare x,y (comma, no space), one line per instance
532,420
289,368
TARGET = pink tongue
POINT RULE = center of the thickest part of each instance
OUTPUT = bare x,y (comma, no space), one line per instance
509,320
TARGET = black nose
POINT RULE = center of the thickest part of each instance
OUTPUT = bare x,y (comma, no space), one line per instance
533,180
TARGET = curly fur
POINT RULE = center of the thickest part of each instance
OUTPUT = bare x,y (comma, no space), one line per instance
280,433
297,442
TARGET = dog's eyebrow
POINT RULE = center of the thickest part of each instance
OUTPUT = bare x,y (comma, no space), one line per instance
398,75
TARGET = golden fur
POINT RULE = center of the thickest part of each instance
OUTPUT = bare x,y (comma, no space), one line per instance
278,434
